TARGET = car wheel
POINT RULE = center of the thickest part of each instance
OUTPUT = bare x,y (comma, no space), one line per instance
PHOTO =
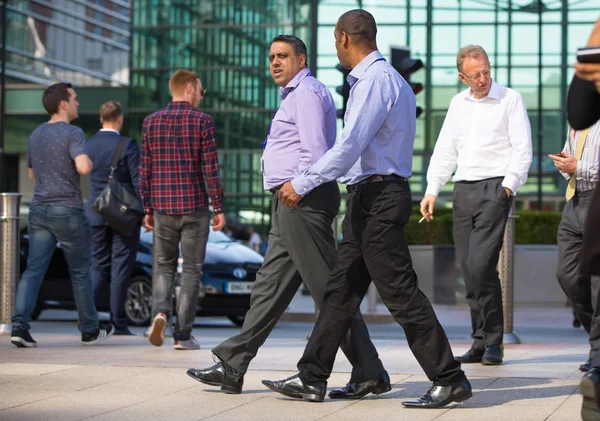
237,320
138,304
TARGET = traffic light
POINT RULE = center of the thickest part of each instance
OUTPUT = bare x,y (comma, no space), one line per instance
406,65
343,90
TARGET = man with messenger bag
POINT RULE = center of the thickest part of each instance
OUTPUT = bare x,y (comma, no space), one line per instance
114,210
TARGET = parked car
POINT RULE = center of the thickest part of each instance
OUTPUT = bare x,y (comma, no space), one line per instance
229,272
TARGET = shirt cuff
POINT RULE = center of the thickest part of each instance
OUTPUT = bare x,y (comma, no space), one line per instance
304,185
433,188
511,182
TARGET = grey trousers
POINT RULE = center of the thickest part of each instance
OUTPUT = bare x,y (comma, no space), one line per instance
582,290
480,213
301,248
192,232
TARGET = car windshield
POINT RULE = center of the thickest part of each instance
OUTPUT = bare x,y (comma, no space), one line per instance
213,237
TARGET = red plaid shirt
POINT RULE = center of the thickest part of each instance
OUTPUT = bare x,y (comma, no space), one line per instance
179,152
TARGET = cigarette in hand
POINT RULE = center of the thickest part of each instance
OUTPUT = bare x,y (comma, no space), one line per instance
421,220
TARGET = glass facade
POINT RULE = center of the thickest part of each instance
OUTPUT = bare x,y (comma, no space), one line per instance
83,42
531,45
227,43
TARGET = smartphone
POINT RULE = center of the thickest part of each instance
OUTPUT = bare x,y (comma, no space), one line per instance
588,55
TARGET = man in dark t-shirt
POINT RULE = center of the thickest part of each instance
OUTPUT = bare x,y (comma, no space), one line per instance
56,161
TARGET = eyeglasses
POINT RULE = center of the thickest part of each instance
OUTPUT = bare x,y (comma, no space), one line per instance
476,76
202,92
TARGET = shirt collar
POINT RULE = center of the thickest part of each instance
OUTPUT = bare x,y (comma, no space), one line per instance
494,93
109,130
179,105
292,84
362,67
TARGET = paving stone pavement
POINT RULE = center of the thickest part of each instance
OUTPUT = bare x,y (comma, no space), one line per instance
125,378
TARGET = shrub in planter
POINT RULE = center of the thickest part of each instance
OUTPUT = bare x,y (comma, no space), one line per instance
532,227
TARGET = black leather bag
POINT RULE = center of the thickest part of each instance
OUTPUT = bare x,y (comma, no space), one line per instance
118,204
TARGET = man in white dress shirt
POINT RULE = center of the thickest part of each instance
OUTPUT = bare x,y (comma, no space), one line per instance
486,138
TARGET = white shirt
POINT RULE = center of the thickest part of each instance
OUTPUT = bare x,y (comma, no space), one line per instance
109,130
485,138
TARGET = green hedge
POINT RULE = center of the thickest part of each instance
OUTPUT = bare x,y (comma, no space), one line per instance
533,227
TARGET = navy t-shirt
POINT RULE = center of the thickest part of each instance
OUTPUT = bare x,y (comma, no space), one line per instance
53,148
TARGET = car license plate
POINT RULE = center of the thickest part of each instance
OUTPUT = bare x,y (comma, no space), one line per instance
238,287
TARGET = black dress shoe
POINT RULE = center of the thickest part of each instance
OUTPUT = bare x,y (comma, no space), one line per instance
220,374
473,355
123,331
590,389
378,385
439,396
492,355
294,387
586,366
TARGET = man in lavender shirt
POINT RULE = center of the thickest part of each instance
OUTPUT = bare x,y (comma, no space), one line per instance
301,243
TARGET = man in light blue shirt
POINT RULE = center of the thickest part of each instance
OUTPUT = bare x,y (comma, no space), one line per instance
373,157
301,245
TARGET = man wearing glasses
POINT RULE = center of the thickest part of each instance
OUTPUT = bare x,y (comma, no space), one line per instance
486,141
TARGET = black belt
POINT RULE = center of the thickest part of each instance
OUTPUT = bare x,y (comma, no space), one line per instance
274,190
374,179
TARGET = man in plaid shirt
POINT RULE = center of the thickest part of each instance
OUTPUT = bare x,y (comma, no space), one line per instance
179,158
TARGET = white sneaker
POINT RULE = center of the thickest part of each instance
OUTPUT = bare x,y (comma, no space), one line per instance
168,331
191,343
157,330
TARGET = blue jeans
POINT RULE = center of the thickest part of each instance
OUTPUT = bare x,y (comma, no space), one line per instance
69,226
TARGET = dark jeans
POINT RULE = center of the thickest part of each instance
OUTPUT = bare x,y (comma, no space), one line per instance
480,213
169,231
68,226
582,290
374,247
113,261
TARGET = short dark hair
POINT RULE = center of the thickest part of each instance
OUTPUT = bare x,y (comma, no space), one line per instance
360,24
110,111
298,45
54,94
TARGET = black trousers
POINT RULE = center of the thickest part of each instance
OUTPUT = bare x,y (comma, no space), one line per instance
301,248
480,213
113,260
374,248
582,290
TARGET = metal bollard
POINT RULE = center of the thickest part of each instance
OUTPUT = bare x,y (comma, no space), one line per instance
9,256
506,271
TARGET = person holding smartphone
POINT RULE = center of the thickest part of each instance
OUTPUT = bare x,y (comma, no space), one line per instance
583,110
579,163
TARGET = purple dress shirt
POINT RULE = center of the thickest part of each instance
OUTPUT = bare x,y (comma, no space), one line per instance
302,130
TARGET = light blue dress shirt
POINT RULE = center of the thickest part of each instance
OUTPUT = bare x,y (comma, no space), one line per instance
379,132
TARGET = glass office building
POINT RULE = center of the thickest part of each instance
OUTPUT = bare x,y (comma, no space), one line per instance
531,45
227,43
85,43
